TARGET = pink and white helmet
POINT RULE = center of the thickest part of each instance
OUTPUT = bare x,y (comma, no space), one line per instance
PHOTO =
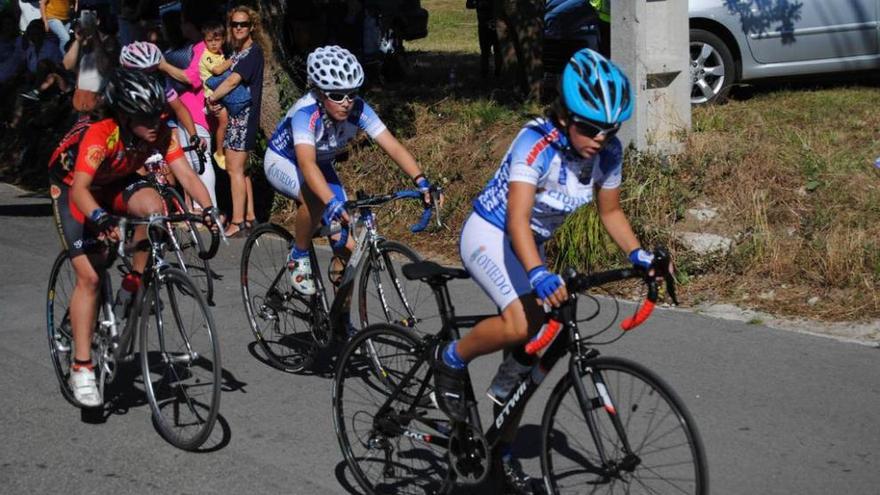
140,55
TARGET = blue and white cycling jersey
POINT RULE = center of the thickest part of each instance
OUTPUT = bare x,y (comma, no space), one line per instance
540,156
306,123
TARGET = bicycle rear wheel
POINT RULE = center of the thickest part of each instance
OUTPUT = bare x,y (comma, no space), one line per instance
62,280
188,243
665,453
279,318
180,359
400,448
386,296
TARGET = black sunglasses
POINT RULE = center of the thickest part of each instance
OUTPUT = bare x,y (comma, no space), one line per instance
149,121
591,130
339,98
243,24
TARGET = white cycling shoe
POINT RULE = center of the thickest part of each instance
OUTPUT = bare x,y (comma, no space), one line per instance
301,277
85,387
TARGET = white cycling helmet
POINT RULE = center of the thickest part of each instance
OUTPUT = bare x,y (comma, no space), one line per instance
140,55
333,68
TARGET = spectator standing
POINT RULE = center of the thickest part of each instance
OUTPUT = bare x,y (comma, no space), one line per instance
56,18
10,63
93,54
487,35
189,107
249,44
603,9
37,45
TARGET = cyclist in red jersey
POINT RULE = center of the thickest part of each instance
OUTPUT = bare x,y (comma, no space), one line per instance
93,176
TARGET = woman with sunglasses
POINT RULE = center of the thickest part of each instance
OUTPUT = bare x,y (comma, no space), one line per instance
93,176
249,44
554,166
302,151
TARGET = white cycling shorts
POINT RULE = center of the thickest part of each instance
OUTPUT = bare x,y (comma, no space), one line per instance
286,178
487,254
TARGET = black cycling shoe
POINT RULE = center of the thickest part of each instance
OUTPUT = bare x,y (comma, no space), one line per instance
516,481
451,387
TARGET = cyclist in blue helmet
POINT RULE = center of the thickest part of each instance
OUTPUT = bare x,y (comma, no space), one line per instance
554,166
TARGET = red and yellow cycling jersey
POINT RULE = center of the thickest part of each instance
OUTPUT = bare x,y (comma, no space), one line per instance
96,149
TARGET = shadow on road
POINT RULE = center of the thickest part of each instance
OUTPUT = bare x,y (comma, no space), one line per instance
127,392
30,210
324,364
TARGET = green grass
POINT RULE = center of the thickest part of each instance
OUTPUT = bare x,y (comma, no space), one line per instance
451,28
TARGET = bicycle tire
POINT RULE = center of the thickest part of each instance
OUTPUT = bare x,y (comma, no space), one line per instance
285,339
190,242
386,296
411,465
58,327
182,374
650,412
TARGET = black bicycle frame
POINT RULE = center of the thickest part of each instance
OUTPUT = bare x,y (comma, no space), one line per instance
567,342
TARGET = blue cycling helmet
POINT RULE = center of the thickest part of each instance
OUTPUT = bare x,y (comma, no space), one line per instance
595,89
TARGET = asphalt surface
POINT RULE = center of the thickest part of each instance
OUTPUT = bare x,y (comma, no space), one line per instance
779,412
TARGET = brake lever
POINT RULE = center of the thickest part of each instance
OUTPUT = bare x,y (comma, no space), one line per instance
435,205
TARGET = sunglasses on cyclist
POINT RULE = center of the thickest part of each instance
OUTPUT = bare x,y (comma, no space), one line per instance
339,97
148,121
242,24
593,130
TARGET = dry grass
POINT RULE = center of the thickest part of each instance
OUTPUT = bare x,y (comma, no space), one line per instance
790,172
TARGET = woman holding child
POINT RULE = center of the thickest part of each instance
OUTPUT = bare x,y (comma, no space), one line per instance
246,63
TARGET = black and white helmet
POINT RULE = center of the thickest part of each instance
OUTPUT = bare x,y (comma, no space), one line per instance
135,93
140,55
333,68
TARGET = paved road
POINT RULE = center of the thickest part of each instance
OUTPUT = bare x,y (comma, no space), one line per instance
780,412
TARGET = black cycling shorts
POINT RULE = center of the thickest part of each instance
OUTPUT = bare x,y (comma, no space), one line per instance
76,236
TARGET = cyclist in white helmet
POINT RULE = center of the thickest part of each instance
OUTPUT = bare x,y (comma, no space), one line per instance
301,155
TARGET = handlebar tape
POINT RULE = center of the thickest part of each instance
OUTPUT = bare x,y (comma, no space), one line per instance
544,337
639,317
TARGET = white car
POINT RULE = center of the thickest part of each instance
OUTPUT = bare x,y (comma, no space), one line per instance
743,40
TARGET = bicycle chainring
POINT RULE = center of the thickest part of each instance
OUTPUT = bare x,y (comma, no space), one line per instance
468,455
322,330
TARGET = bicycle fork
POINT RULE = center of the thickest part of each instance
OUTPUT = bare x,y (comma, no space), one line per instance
611,468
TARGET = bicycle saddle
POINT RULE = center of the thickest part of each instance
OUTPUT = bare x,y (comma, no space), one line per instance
430,272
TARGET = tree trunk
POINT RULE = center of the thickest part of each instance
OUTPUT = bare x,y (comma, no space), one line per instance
520,28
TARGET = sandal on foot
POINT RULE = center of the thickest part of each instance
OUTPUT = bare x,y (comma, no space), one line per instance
241,230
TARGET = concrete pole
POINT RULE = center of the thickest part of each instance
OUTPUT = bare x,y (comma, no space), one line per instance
649,40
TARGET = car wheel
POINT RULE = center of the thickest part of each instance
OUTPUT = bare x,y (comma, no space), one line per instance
712,68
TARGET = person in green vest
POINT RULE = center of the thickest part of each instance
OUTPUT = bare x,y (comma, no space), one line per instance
603,8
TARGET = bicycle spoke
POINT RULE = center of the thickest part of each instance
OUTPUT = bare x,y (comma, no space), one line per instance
180,356
666,453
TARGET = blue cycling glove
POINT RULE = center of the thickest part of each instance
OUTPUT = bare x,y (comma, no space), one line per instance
543,282
333,211
423,184
641,258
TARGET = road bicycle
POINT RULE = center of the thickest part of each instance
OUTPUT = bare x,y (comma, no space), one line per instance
610,425
179,351
185,239
289,327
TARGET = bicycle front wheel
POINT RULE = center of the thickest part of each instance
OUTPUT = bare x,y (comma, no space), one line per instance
61,283
180,359
400,448
649,442
386,296
188,242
